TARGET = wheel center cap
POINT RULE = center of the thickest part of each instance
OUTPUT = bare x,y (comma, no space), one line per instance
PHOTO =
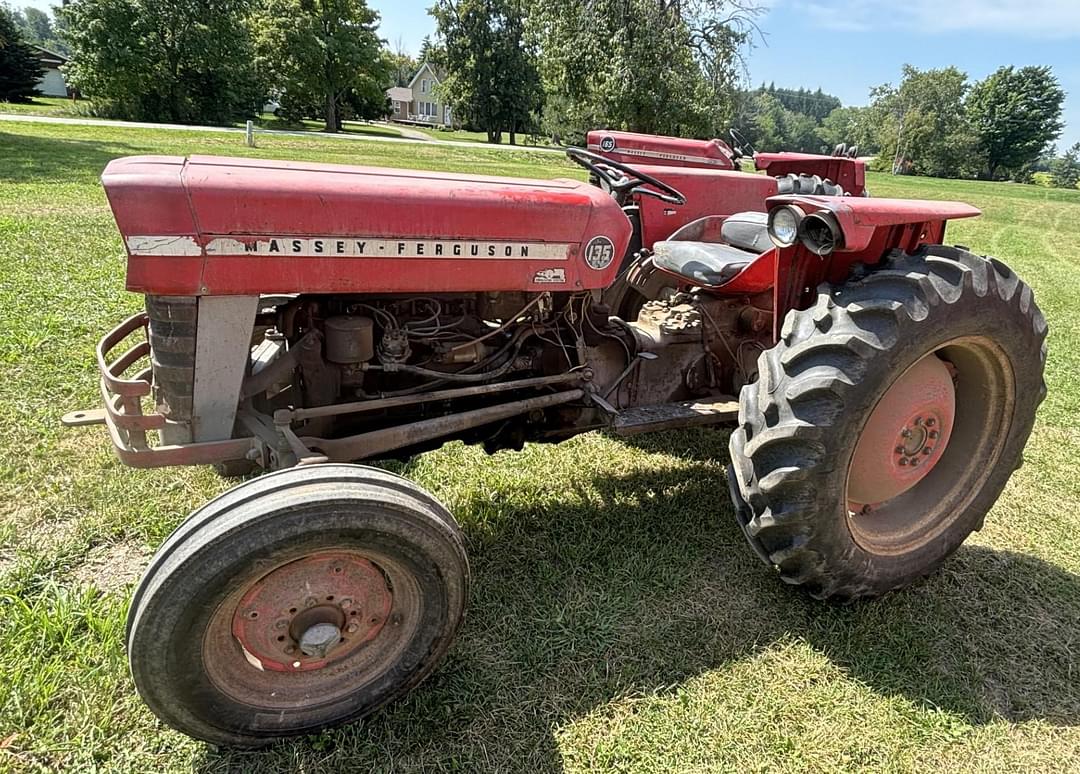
318,639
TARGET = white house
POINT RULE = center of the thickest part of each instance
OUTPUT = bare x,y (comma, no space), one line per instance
417,102
52,83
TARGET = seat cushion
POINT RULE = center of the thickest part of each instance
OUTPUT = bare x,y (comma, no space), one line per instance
706,263
748,230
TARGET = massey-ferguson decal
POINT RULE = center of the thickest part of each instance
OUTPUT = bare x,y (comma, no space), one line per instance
348,247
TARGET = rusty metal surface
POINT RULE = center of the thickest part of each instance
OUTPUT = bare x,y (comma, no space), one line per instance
379,404
284,619
83,418
369,444
123,415
669,416
905,436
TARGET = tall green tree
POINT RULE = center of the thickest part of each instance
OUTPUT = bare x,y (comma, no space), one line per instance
1065,170
19,67
663,66
187,61
1015,114
402,65
922,124
324,53
492,81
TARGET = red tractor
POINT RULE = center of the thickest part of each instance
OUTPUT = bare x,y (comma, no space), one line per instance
302,317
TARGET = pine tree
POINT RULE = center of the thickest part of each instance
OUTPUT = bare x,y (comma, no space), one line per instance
19,67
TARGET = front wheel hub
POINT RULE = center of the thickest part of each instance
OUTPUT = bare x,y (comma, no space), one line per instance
905,436
312,612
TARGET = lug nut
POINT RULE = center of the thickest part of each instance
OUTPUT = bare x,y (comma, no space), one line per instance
903,461
930,421
918,420
346,603
310,602
905,433
927,449
899,449
353,627
281,623
933,433
914,461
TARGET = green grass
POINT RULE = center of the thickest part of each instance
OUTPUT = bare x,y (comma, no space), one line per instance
44,106
270,121
618,621
462,135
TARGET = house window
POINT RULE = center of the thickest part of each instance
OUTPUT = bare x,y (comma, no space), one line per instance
423,86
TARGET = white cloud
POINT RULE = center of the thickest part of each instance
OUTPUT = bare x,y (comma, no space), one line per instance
1034,18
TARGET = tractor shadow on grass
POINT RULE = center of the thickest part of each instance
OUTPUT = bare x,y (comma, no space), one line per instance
642,582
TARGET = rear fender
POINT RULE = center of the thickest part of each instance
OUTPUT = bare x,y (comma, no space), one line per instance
871,229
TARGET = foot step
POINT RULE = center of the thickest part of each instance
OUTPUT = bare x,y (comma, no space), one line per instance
668,416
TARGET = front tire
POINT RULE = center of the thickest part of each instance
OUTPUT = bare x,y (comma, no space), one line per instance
870,365
298,600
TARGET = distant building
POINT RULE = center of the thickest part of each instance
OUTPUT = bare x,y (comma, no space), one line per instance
52,83
417,103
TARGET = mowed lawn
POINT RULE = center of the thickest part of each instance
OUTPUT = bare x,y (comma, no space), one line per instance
618,621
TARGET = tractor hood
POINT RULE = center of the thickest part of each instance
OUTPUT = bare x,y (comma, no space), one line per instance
209,226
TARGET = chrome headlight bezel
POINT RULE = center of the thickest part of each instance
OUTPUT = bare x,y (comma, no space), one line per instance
782,212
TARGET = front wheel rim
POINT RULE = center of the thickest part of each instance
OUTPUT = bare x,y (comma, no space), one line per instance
371,594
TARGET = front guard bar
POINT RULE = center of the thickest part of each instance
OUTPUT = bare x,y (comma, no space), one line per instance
123,411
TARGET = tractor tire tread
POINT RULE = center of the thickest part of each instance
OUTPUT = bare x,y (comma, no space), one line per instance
780,449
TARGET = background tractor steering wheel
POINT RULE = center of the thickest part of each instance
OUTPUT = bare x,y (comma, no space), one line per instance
624,180
742,145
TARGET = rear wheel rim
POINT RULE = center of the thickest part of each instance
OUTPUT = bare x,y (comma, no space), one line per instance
896,514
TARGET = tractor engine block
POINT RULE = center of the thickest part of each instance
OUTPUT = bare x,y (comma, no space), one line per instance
311,351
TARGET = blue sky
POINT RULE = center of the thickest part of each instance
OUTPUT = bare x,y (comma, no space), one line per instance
848,46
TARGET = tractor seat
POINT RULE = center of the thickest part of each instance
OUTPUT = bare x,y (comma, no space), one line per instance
712,263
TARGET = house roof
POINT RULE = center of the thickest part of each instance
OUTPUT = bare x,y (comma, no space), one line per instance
431,70
399,94
47,57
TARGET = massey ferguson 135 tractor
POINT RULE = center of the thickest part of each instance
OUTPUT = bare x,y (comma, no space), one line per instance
302,317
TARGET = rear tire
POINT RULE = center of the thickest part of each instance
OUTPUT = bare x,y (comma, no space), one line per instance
217,628
800,423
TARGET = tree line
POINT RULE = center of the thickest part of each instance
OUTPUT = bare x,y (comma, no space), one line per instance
551,67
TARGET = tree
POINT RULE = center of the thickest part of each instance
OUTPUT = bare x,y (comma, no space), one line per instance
403,66
186,61
19,67
661,66
40,29
491,79
325,53
851,126
772,127
1065,170
921,122
1015,114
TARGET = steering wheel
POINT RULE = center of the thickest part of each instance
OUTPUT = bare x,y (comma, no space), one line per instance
629,182
742,145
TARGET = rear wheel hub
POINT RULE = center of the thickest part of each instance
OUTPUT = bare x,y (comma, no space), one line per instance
905,436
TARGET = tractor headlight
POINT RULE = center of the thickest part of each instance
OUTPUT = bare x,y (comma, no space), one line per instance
784,225
821,233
